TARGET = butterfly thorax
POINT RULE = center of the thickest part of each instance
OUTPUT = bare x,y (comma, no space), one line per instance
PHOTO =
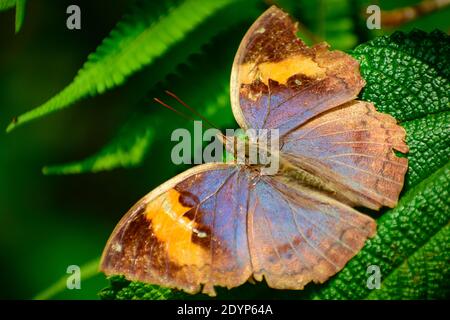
294,173
262,158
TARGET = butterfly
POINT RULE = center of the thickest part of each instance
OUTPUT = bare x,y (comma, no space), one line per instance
222,224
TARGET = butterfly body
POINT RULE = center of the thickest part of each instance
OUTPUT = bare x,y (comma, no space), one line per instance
221,224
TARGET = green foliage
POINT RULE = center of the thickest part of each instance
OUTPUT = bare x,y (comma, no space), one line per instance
88,270
20,10
126,150
427,268
147,126
407,75
121,289
20,13
138,40
7,4
405,244
429,147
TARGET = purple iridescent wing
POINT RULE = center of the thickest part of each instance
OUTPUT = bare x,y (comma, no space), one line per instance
189,232
298,235
279,82
351,149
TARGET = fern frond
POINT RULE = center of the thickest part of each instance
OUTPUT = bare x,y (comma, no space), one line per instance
203,84
126,150
144,35
20,13
20,10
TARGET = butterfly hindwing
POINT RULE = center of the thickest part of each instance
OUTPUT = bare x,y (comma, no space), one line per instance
279,82
352,147
298,235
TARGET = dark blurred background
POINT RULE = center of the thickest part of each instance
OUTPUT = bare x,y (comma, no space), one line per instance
50,222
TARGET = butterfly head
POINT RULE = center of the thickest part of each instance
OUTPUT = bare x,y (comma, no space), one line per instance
257,149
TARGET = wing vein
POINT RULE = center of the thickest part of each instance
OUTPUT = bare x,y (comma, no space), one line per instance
367,172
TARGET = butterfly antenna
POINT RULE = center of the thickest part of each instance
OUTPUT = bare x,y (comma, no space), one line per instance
173,109
222,136
173,95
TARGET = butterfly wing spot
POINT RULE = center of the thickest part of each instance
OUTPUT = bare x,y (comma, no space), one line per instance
188,199
261,30
200,234
117,247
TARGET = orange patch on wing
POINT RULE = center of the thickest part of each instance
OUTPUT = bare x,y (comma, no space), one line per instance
280,71
171,227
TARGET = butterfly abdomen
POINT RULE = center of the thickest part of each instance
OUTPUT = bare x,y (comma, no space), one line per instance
298,175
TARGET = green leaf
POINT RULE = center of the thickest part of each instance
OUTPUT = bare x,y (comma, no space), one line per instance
429,146
7,4
20,13
427,268
402,231
127,150
20,10
88,270
137,41
408,244
122,289
407,75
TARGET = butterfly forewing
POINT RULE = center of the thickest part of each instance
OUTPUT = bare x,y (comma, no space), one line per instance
189,232
279,82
